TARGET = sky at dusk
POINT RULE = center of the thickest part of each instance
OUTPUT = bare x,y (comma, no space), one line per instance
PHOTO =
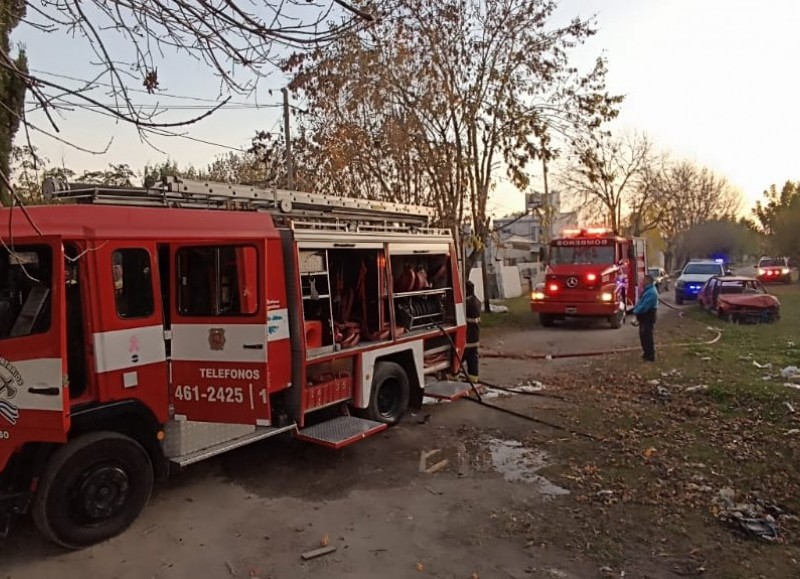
710,80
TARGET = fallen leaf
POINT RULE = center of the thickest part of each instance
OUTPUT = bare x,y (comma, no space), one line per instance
649,452
326,540
420,567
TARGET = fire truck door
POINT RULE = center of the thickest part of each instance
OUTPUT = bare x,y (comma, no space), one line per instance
34,400
219,333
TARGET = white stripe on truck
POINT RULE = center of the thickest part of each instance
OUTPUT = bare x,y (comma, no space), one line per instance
219,342
132,348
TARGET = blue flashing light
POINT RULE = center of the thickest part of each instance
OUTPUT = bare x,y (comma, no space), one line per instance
719,260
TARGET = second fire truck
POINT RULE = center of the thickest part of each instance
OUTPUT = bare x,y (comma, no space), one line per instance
142,330
590,272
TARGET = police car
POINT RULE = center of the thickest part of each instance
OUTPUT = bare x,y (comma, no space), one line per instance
694,276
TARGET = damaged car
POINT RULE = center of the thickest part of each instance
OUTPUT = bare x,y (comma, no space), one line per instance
739,299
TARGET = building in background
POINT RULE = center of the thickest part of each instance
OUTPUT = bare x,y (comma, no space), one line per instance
520,242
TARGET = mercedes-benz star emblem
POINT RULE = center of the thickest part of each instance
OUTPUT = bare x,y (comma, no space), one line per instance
572,281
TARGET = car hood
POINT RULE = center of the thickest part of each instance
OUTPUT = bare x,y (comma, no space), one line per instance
696,277
749,300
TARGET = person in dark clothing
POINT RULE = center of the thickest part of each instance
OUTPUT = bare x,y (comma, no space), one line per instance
645,312
473,307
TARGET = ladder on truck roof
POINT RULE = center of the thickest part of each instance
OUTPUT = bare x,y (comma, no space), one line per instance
316,208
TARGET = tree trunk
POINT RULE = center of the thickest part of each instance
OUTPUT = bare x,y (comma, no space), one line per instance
12,92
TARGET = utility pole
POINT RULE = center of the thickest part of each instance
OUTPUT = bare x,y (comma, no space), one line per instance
547,229
288,137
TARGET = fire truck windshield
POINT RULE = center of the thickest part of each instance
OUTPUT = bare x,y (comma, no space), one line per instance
582,255
25,278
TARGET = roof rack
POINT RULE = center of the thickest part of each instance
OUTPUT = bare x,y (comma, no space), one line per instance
189,193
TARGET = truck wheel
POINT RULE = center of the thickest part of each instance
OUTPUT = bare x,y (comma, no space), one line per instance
93,488
547,320
390,393
616,320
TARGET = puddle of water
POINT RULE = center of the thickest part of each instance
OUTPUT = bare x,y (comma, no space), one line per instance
519,464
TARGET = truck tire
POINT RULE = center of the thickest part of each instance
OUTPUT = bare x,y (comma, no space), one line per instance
616,320
388,401
93,488
547,320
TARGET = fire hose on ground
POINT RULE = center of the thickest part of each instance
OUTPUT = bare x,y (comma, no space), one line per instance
479,399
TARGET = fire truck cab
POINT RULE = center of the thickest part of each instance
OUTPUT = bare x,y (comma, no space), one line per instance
142,330
590,272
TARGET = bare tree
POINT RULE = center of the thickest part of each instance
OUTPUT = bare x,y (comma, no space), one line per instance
435,104
606,176
238,40
687,196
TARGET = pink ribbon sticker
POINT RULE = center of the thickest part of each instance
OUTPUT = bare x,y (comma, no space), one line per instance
134,347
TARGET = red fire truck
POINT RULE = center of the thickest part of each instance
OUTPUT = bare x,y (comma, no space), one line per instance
142,330
591,272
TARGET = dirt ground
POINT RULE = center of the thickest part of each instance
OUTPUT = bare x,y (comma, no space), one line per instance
493,510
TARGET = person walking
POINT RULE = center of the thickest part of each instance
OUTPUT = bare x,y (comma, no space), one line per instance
473,307
645,312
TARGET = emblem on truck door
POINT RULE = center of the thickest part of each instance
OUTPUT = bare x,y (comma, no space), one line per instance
572,281
216,338
10,381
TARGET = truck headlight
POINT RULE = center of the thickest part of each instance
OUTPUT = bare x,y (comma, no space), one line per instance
606,296
537,296
785,271
761,271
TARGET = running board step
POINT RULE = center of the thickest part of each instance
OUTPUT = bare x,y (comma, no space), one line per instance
340,431
261,433
447,389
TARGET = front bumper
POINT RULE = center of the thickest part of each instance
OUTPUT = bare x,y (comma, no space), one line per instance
595,309
689,292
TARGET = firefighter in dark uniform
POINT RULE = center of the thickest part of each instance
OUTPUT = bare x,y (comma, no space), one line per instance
473,307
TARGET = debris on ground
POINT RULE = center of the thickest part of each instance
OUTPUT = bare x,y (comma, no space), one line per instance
313,554
766,366
496,309
424,456
698,388
529,386
790,373
757,519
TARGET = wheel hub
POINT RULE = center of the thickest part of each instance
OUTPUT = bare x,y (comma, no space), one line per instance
103,492
388,398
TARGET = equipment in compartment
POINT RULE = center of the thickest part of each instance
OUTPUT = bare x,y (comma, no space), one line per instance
422,290
415,312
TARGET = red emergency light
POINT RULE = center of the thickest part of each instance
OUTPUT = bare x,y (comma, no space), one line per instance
591,277
553,287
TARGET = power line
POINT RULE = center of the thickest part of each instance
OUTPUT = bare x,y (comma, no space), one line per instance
228,106
95,83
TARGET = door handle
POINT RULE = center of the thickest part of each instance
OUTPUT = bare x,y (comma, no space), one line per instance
253,346
49,391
